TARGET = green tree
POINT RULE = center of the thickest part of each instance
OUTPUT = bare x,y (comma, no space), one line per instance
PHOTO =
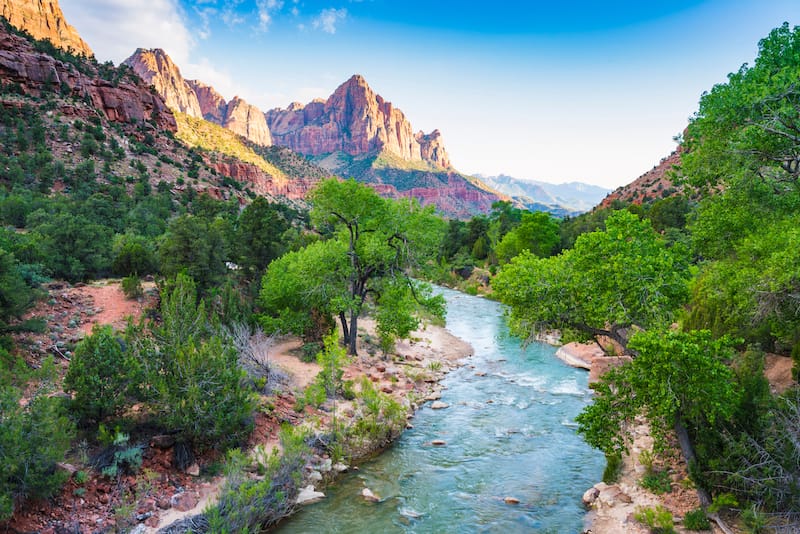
537,233
33,437
196,246
375,241
611,281
102,376
15,295
261,234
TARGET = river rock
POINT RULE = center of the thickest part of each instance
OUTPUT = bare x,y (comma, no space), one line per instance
314,476
511,500
590,496
340,467
609,495
309,495
326,466
579,354
439,442
369,496
439,405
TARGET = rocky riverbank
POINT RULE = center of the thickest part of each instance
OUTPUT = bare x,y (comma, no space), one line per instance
410,375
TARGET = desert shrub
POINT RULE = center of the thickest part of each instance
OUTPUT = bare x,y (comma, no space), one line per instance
33,438
101,375
696,520
657,519
132,287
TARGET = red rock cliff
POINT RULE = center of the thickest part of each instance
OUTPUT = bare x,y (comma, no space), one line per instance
354,120
247,120
121,101
43,19
156,68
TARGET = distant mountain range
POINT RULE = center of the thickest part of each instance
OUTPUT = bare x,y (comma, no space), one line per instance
559,199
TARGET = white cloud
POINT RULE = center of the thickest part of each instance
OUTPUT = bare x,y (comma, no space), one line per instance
115,28
328,19
266,8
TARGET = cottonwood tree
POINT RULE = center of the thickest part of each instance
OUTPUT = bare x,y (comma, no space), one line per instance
371,245
612,281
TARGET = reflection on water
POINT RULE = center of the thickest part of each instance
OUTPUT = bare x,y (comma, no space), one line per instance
508,433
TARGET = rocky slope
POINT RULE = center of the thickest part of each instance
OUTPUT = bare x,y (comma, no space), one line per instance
652,185
354,120
248,121
121,98
43,19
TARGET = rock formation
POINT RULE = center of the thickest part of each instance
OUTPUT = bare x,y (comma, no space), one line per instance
156,68
248,121
197,99
43,19
354,120
212,104
122,100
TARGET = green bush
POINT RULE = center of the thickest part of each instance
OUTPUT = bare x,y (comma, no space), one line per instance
658,482
657,519
613,468
32,439
101,375
696,520
132,287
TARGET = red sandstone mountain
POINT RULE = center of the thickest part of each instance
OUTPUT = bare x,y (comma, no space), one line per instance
43,19
121,100
354,120
156,68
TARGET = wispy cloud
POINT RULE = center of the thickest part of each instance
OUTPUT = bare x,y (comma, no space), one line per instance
115,28
266,10
328,19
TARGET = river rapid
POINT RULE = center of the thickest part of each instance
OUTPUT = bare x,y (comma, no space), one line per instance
509,432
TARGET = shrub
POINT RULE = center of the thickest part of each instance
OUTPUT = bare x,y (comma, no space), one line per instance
658,482
32,439
132,287
613,468
101,375
696,520
657,519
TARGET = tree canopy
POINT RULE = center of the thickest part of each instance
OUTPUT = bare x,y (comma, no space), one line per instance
611,281
371,245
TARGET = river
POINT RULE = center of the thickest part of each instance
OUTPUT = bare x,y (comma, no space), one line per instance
508,433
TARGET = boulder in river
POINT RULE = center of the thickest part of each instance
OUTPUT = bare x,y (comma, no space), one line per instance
309,495
439,405
369,496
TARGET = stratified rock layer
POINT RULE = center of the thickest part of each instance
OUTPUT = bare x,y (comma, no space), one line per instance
122,100
43,19
248,121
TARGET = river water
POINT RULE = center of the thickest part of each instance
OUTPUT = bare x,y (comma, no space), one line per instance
509,433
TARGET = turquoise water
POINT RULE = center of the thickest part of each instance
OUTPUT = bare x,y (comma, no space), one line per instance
508,433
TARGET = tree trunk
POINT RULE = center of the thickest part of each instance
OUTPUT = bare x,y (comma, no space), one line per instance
345,330
351,347
688,455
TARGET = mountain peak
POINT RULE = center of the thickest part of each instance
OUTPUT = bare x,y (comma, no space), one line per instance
155,67
356,121
44,19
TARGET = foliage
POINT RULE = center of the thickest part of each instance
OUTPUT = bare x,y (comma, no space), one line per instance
33,437
102,376
657,481
132,287
15,295
372,243
613,468
696,520
657,519
196,246
537,233
261,234
132,254
611,281
676,378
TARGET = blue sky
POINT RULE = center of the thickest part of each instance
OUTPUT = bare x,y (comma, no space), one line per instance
552,91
